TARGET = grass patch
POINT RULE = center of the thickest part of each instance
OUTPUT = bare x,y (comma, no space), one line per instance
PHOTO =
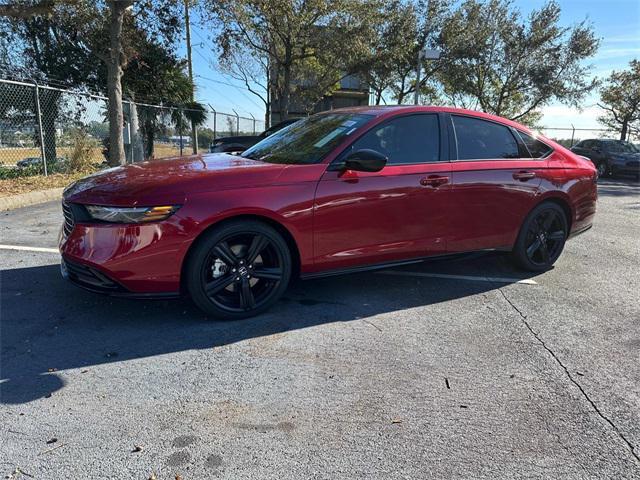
34,183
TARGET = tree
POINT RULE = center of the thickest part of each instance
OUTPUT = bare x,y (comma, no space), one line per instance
308,46
115,62
510,66
250,67
26,10
86,44
620,99
421,32
156,75
45,43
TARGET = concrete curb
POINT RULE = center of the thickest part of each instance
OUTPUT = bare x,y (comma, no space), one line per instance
30,198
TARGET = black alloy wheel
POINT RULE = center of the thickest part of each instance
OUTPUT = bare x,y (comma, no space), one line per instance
238,270
542,237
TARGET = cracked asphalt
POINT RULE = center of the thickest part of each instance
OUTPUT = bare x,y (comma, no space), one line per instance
371,376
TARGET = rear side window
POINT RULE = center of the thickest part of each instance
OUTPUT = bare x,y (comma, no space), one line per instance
408,139
479,139
536,148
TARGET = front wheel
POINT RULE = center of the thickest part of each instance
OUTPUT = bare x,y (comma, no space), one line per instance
541,238
238,270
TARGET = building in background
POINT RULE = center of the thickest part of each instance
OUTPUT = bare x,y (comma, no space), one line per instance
353,92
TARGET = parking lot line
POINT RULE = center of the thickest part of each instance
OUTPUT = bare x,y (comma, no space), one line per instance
470,278
23,248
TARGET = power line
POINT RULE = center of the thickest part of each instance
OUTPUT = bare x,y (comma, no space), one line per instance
240,89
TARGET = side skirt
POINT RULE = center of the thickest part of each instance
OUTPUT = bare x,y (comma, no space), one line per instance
381,266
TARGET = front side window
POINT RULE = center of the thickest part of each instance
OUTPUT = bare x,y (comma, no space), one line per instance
480,139
308,140
536,148
404,140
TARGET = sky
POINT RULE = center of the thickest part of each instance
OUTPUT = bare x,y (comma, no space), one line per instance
616,23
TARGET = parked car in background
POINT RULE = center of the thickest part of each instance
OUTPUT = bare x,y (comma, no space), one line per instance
29,162
37,161
241,143
341,191
611,157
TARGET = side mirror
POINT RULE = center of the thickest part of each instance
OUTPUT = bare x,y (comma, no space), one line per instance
365,161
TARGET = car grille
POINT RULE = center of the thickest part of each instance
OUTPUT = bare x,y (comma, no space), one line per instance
69,220
90,278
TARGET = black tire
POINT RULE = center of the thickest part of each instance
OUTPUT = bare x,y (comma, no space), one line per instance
541,238
238,269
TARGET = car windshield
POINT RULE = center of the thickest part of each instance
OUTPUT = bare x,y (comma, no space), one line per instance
308,140
621,147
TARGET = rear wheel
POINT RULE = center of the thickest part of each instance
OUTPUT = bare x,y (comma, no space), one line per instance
238,270
541,238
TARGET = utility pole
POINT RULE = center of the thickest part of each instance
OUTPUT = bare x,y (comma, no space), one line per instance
416,94
194,133
424,54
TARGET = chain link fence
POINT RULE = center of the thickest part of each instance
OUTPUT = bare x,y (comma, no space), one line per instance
569,136
47,130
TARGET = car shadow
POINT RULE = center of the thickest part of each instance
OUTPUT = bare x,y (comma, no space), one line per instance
618,187
48,325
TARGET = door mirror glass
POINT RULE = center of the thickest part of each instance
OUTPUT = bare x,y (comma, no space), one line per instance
365,160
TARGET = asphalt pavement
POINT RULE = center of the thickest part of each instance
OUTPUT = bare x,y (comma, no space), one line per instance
460,369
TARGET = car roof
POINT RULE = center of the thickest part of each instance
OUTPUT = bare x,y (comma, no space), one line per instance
391,110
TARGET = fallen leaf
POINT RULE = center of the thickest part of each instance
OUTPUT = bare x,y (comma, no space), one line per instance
137,448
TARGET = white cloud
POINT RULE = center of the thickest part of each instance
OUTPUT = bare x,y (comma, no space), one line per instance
562,116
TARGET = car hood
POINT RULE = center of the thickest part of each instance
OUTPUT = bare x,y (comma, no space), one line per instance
169,180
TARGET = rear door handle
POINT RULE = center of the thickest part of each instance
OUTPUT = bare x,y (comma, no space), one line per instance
434,180
524,176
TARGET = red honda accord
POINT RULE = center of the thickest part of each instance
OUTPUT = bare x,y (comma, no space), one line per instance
342,191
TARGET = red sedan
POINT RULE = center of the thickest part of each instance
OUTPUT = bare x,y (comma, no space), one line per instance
341,191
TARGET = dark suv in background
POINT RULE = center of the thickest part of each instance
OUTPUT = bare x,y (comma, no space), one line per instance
240,143
610,157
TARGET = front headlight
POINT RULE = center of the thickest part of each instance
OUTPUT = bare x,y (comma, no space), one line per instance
131,214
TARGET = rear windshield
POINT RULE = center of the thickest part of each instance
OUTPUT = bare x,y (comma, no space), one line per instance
308,140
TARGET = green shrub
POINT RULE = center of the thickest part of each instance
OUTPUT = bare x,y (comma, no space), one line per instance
7,173
80,158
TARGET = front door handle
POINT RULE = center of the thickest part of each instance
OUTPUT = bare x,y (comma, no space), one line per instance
434,180
523,176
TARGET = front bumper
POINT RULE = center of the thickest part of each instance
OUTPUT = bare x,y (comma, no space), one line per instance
139,260
93,281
